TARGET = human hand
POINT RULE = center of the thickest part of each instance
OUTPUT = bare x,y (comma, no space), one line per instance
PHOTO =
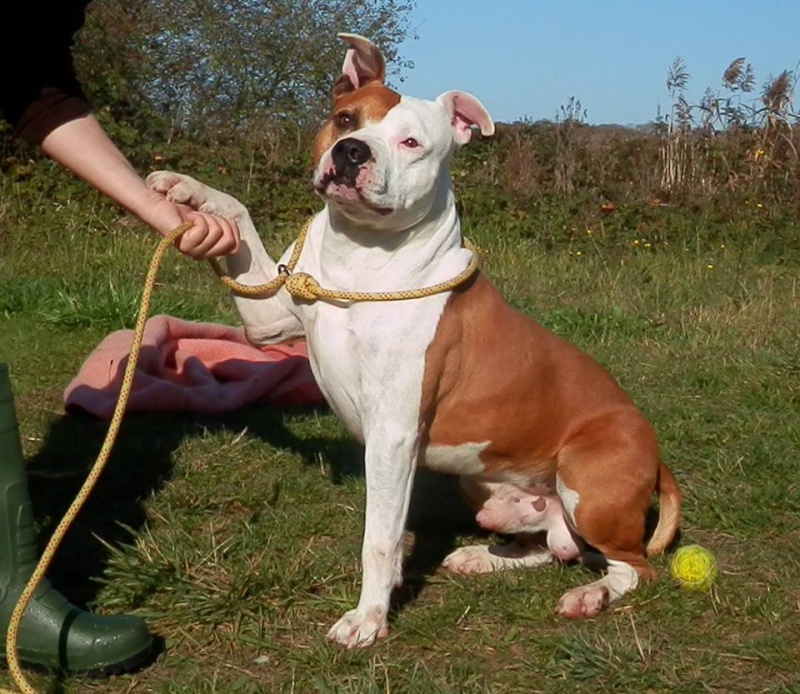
210,236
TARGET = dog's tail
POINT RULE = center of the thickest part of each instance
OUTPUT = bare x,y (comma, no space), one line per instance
669,504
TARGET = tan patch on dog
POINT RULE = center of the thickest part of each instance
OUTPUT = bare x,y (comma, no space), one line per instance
353,110
492,374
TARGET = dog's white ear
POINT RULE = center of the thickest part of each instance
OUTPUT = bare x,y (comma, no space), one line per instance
465,111
363,63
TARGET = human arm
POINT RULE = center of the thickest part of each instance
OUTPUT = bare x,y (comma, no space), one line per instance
42,99
82,146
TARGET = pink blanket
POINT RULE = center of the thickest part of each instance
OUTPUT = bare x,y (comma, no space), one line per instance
189,366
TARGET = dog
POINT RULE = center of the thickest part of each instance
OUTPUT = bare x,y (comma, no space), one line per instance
457,382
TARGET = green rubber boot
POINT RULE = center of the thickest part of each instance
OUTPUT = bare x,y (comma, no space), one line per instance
53,633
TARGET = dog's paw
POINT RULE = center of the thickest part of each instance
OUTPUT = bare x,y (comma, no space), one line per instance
178,188
475,559
360,629
584,601
185,190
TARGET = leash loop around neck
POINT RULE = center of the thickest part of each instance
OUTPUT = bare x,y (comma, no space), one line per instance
303,286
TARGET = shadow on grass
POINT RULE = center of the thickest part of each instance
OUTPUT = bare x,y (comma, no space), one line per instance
437,516
139,466
142,462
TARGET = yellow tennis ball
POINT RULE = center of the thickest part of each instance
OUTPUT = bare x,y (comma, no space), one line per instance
694,567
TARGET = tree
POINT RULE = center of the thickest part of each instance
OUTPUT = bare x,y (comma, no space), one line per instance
212,66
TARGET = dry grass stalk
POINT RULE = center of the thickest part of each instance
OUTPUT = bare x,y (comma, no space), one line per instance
777,96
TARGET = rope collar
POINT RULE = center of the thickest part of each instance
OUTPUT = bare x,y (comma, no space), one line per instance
303,286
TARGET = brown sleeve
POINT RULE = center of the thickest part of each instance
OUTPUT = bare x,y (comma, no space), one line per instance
52,108
39,91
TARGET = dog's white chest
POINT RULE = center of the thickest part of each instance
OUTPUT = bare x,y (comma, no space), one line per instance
334,359
371,357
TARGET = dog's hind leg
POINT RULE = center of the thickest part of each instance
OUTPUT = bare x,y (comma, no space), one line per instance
605,484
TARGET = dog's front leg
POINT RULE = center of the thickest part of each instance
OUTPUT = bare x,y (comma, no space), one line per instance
391,457
267,320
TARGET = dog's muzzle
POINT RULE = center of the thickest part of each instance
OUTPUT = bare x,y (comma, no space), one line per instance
348,155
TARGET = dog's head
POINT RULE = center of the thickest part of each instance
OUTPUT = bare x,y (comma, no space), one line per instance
381,158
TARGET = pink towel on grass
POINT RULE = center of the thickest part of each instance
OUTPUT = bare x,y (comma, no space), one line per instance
190,366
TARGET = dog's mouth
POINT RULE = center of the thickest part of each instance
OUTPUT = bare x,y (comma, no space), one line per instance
333,177
343,190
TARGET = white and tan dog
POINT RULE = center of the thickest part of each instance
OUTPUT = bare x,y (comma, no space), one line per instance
457,382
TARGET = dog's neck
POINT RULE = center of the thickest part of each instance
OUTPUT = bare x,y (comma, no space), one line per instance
428,251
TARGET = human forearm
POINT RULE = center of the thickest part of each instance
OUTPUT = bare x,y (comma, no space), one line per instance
82,146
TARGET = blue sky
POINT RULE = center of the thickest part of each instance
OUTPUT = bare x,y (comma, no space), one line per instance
528,57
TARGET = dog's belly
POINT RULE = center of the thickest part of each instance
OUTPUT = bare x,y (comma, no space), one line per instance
463,459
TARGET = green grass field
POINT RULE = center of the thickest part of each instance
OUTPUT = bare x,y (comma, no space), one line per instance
238,537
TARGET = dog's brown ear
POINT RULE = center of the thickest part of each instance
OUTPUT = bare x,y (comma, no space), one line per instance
363,63
464,111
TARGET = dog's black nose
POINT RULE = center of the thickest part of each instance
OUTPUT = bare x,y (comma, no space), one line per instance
350,153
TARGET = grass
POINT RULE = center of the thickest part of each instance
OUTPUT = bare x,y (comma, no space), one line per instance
238,536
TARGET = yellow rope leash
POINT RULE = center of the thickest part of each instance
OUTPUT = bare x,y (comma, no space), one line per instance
116,419
303,286
300,285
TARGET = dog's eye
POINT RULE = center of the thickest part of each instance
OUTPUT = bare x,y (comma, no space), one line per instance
410,142
344,120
